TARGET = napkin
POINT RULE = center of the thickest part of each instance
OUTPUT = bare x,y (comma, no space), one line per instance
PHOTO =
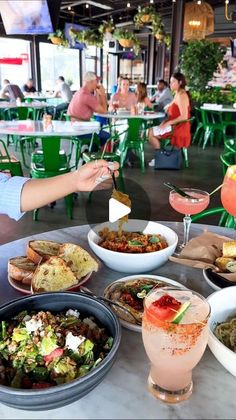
158,131
202,251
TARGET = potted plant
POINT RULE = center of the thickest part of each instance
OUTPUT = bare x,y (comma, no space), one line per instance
144,15
127,39
58,38
199,61
88,37
106,27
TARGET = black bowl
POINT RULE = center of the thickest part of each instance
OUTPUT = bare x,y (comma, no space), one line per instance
60,395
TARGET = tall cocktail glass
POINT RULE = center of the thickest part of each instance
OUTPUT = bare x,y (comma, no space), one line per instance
174,349
198,202
228,191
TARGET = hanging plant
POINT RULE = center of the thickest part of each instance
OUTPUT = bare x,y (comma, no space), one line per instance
106,27
88,37
158,30
58,38
127,39
144,15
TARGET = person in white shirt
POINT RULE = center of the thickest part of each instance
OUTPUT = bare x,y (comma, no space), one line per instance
163,96
62,91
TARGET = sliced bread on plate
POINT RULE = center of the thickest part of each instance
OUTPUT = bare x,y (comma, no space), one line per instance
38,251
78,259
52,275
21,269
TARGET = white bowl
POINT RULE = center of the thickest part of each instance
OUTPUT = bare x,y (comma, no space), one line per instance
223,305
134,263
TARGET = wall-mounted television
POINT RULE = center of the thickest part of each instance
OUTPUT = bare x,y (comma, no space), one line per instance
24,17
68,26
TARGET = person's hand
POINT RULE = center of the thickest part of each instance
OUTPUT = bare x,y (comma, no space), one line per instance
95,175
100,91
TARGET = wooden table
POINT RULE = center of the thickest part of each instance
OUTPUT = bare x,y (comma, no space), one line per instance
123,393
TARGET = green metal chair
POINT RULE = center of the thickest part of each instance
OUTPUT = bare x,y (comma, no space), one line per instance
49,162
226,219
228,159
213,122
8,163
199,130
133,140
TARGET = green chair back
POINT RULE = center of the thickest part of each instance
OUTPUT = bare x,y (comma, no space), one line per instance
228,159
51,155
7,163
226,219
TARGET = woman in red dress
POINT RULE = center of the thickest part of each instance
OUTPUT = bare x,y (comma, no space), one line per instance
178,110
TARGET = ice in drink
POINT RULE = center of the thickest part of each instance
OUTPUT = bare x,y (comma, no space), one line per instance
174,349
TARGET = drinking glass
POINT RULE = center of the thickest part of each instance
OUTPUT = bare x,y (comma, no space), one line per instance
174,349
115,106
198,202
228,192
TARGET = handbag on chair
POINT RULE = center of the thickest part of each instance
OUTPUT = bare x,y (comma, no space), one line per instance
168,158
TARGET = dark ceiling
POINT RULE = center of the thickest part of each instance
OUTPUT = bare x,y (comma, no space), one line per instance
117,9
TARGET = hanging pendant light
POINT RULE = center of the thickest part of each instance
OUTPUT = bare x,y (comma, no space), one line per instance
198,20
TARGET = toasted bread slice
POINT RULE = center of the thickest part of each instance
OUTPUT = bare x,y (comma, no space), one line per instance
229,249
53,275
21,269
38,251
222,262
78,259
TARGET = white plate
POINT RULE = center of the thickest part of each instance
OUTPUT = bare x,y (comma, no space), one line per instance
211,284
129,325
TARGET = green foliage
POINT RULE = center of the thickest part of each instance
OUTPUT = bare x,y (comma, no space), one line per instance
139,18
88,37
213,96
199,60
59,34
130,36
106,26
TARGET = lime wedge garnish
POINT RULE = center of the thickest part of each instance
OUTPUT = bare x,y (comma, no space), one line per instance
179,315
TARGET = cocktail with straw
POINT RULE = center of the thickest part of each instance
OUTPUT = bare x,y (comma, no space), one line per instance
228,191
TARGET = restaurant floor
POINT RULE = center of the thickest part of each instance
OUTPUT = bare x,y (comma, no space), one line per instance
204,172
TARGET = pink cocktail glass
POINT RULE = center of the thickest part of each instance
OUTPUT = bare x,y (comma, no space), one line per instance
228,191
198,202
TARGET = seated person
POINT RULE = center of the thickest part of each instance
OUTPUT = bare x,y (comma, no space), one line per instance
142,97
87,100
124,97
163,96
62,91
29,87
179,110
10,92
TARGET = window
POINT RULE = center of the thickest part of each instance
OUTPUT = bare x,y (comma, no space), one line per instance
15,48
56,61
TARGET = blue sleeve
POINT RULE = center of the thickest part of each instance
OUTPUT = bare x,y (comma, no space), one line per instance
10,195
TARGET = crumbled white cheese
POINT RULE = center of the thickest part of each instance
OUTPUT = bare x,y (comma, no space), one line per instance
33,325
73,341
73,312
90,323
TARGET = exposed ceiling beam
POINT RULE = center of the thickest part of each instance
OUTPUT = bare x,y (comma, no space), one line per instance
92,3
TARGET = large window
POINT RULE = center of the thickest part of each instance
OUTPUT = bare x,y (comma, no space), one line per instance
15,48
56,61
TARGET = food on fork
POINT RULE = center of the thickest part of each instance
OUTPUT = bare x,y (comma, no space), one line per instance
78,259
42,250
21,269
53,275
124,199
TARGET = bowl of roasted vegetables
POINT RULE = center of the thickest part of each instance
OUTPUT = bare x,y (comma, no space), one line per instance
54,349
133,250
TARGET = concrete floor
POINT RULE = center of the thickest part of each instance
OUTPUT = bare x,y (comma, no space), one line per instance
205,172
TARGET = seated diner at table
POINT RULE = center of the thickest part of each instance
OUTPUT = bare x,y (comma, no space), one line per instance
21,194
142,98
63,91
10,91
124,97
163,96
28,87
178,110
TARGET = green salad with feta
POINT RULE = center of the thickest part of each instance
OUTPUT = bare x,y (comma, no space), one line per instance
40,350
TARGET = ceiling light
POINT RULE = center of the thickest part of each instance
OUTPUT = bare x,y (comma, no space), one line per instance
69,7
87,5
128,4
151,1
199,2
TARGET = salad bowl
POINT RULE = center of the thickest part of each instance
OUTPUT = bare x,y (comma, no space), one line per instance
66,393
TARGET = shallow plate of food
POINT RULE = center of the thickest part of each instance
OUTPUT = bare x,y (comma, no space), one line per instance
50,266
129,292
225,266
141,247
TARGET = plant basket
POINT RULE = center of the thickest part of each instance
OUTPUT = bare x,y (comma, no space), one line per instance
159,37
56,40
126,43
146,18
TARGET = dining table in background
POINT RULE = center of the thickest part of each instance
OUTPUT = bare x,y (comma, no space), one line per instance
123,393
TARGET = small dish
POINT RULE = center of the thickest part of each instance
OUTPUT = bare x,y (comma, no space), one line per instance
130,325
215,283
26,288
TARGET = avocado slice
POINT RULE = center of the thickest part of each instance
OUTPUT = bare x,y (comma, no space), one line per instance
179,315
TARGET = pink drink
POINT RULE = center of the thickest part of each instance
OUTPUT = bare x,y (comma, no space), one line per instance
189,206
174,349
228,191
